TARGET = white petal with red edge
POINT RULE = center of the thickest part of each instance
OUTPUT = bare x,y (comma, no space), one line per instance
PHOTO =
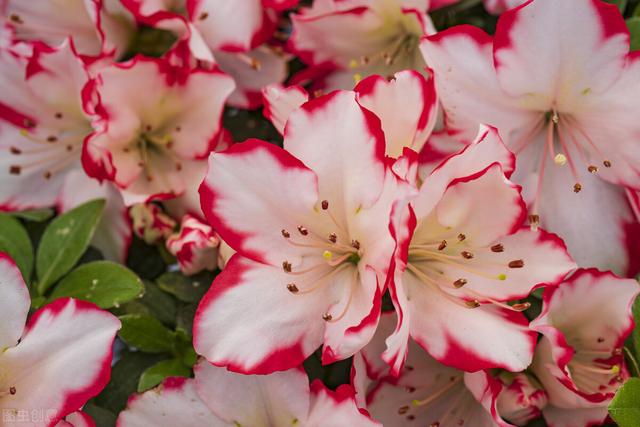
252,192
336,408
173,403
254,400
14,302
77,419
275,332
406,105
66,343
560,417
280,102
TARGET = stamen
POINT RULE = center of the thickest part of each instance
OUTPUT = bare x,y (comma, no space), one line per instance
292,288
333,238
438,393
327,255
15,170
577,187
461,237
355,244
286,266
497,248
325,205
327,317
518,263
403,410
473,303
521,306
534,221
466,255
592,169
303,230
606,163
560,159
442,245
460,283
285,234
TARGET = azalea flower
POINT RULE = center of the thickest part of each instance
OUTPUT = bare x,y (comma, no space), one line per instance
580,358
59,360
195,246
151,223
219,398
310,227
558,82
460,260
280,102
522,398
344,41
426,393
229,35
95,26
147,145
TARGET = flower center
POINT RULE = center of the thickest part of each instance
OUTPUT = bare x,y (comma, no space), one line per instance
153,144
335,256
426,260
586,364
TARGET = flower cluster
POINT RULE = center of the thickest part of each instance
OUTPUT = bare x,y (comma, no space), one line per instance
333,213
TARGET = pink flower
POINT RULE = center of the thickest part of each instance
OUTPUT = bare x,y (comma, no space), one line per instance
219,398
195,246
151,223
310,225
63,357
559,82
96,26
426,393
463,254
154,123
585,321
357,38
522,398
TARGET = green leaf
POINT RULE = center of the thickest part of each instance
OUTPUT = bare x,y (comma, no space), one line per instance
64,241
146,333
103,283
622,4
14,240
633,24
102,417
35,215
161,370
635,334
187,289
161,304
625,406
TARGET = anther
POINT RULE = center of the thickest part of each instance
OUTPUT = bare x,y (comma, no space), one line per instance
460,283
292,288
355,244
15,170
203,16
12,390
303,230
521,306
58,115
577,187
286,266
15,18
15,150
461,237
560,159
69,147
327,255
326,317
497,248
466,254
518,263
472,304
325,205
333,238
47,175
442,245
51,138
285,233
403,410
607,164
592,169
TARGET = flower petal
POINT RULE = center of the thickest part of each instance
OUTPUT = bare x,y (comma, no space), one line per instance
14,302
280,102
336,408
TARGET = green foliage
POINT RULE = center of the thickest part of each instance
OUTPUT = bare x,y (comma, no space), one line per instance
35,215
154,375
146,333
186,289
633,24
625,406
104,283
64,241
14,240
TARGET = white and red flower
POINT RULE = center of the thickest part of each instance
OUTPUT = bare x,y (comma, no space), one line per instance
219,398
58,360
151,223
522,398
344,41
463,254
579,361
310,227
559,83
426,393
195,246
96,26
154,123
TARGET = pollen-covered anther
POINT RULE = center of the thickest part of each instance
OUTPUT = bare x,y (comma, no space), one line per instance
325,205
592,169
333,238
355,244
442,245
327,255
577,187
203,16
286,266
472,304
466,254
516,263
291,287
460,283
327,317
15,150
12,391
15,170
47,175
461,237
403,409
303,230
285,233
497,248
16,19
52,138
606,163
521,306
560,159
